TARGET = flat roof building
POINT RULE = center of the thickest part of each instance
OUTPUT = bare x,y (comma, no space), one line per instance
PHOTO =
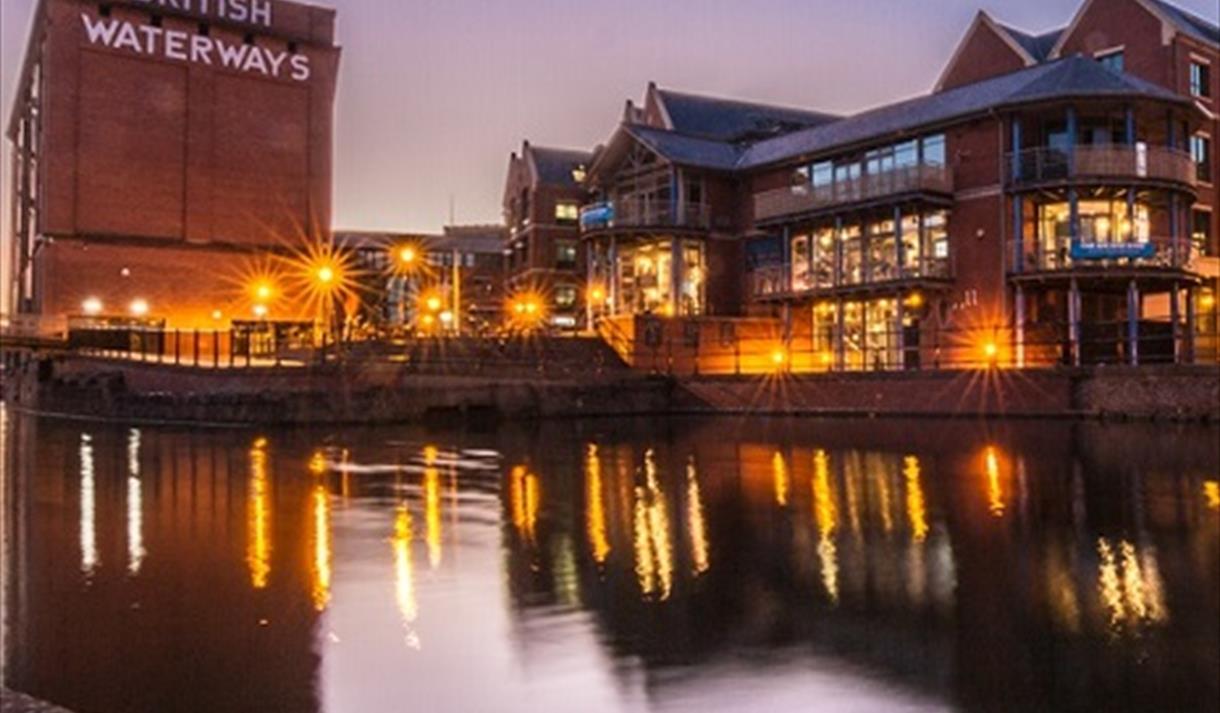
160,147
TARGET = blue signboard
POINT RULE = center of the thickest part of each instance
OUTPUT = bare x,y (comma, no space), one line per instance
598,215
1112,251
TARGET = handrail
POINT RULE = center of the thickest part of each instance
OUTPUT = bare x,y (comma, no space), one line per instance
1115,161
641,214
804,198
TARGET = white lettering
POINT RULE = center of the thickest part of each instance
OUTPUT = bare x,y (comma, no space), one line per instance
300,67
277,61
252,11
150,37
127,37
201,49
183,46
232,56
255,60
175,45
101,31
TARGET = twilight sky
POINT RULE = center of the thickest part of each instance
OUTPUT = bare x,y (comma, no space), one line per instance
434,94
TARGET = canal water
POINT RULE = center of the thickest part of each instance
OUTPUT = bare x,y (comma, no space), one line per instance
672,565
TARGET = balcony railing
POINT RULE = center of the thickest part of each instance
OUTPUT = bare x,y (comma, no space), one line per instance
1069,255
772,280
1115,162
805,198
641,214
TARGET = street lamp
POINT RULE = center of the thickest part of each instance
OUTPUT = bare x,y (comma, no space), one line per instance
92,306
138,307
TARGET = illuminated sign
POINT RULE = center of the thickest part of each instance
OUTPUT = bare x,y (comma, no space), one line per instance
183,46
257,12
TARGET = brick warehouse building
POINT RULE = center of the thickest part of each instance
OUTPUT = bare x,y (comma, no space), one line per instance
1052,200
161,148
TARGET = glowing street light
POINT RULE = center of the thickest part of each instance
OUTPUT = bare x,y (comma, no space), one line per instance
433,303
138,307
446,318
92,306
260,311
407,255
325,275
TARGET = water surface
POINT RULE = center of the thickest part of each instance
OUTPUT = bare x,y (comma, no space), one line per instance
680,565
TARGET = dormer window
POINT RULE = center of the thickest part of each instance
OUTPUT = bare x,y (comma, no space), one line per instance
1111,60
579,174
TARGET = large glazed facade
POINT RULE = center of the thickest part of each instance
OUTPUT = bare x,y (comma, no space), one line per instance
161,147
1052,201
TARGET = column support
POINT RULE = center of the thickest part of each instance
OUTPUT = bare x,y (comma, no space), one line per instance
786,260
1018,209
675,271
1175,321
900,332
1074,321
1133,323
900,249
840,336
1019,326
1188,338
838,276
613,287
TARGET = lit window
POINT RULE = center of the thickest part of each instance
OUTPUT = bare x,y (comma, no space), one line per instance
565,255
1201,233
565,296
579,174
567,212
1200,79
1112,60
1201,153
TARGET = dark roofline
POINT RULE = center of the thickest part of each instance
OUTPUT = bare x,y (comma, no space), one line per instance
1154,93
752,103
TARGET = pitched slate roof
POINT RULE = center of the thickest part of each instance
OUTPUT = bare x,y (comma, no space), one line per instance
720,119
1189,23
555,166
1038,46
1065,78
687,150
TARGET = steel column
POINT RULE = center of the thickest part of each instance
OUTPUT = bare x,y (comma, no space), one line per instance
1019,326
1133,323
1175,319
1074,321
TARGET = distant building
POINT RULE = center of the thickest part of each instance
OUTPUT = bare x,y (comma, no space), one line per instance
412,281
543,194
160,147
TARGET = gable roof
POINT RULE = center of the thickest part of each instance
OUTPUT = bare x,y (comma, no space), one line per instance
687,150
1189,23
555,166
720,119
1172,17
1072,77
1038,47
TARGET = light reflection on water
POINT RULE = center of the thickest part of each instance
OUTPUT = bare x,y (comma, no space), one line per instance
614,566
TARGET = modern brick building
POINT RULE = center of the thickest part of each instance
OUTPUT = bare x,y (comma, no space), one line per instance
543,194
409,281
1052,200
160,147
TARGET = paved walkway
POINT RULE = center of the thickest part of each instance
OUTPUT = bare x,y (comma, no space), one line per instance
13,702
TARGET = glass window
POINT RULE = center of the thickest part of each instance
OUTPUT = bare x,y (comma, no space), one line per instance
847,180
565,296
1201,152
906,154
1200,79
853,255
936,244
800,263
1201,233
565,254
910,245
934,150
823,174
1112,60
567,212
824,258
882,252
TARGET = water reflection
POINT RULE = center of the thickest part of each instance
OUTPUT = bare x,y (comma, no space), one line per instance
702,565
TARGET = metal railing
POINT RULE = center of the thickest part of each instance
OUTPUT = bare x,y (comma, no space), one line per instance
1043,346
196,348
807,198
774,280
645,214
1066,255
1117,162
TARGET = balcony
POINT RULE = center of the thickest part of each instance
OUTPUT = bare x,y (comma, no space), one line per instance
1116,163
802,199
642,214
1068,255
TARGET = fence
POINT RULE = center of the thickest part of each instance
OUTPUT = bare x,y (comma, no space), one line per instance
737,347
211,349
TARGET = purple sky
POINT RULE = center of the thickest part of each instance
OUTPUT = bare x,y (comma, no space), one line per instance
434,94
